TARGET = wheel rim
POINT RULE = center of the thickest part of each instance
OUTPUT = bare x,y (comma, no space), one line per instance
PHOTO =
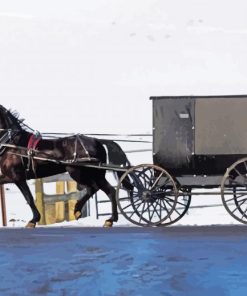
152,197
182,206
234,190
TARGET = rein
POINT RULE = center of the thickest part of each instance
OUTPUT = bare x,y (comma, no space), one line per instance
32,153
86,162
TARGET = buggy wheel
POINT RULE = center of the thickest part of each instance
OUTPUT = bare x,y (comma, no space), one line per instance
146,195
234,190
182,206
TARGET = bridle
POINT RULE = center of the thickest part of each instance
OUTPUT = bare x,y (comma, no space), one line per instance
6,138
7,134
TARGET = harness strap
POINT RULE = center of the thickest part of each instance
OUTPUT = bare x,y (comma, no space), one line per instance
33,142
78,139
83,146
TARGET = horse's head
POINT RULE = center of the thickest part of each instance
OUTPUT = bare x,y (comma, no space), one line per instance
9,120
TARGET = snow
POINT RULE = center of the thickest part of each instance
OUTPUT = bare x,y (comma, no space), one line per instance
204,210
91,67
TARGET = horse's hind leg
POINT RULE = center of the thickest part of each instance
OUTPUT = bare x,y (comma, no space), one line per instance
22,185
90,190
93,180
111,193
84,180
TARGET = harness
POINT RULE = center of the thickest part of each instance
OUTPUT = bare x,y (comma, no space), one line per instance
6,141
79,141
33,142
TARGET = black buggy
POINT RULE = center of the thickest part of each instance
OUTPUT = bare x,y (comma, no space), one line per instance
198,142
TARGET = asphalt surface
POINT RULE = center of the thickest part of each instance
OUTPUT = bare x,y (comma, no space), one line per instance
124,261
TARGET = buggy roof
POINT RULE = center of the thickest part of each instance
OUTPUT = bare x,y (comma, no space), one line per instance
197,97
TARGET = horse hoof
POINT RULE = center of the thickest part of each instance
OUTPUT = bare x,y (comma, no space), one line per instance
108,223
77,215
30,225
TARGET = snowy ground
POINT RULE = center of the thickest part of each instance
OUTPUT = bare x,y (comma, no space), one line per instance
212,214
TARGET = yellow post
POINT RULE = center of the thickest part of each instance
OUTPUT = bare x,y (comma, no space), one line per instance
50,214
40,200
60,187
59,205
71,186
71,206
59,211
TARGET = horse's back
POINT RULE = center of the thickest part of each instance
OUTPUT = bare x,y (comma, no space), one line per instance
93,147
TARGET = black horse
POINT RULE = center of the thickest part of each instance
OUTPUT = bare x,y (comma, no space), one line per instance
24,155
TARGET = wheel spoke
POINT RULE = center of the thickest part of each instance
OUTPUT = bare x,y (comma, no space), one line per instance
237,172
244,212
142,211
143,204
131,204
164,184
157,212
135,209
156,181
235,183
154,208
165,207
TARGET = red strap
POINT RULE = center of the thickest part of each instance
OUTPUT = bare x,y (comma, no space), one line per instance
33,142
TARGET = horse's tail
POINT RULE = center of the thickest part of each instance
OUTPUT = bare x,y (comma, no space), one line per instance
116,156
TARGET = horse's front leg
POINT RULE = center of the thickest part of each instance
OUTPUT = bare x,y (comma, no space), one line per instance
22,185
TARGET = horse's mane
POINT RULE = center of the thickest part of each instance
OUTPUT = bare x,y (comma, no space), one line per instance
19,122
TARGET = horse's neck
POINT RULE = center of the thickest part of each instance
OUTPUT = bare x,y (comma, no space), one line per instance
21,138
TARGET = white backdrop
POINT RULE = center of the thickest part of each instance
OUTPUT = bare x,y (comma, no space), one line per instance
91,66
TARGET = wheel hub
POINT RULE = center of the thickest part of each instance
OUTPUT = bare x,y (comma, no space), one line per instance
147,196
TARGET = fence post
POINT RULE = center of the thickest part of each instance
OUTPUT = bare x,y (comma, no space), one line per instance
40,200
59,205
71,187
3,205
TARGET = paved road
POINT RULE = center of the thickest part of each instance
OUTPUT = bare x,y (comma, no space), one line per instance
124,261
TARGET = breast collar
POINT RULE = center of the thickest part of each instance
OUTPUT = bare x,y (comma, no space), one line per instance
33,141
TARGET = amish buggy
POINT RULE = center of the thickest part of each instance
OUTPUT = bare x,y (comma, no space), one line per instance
199,142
